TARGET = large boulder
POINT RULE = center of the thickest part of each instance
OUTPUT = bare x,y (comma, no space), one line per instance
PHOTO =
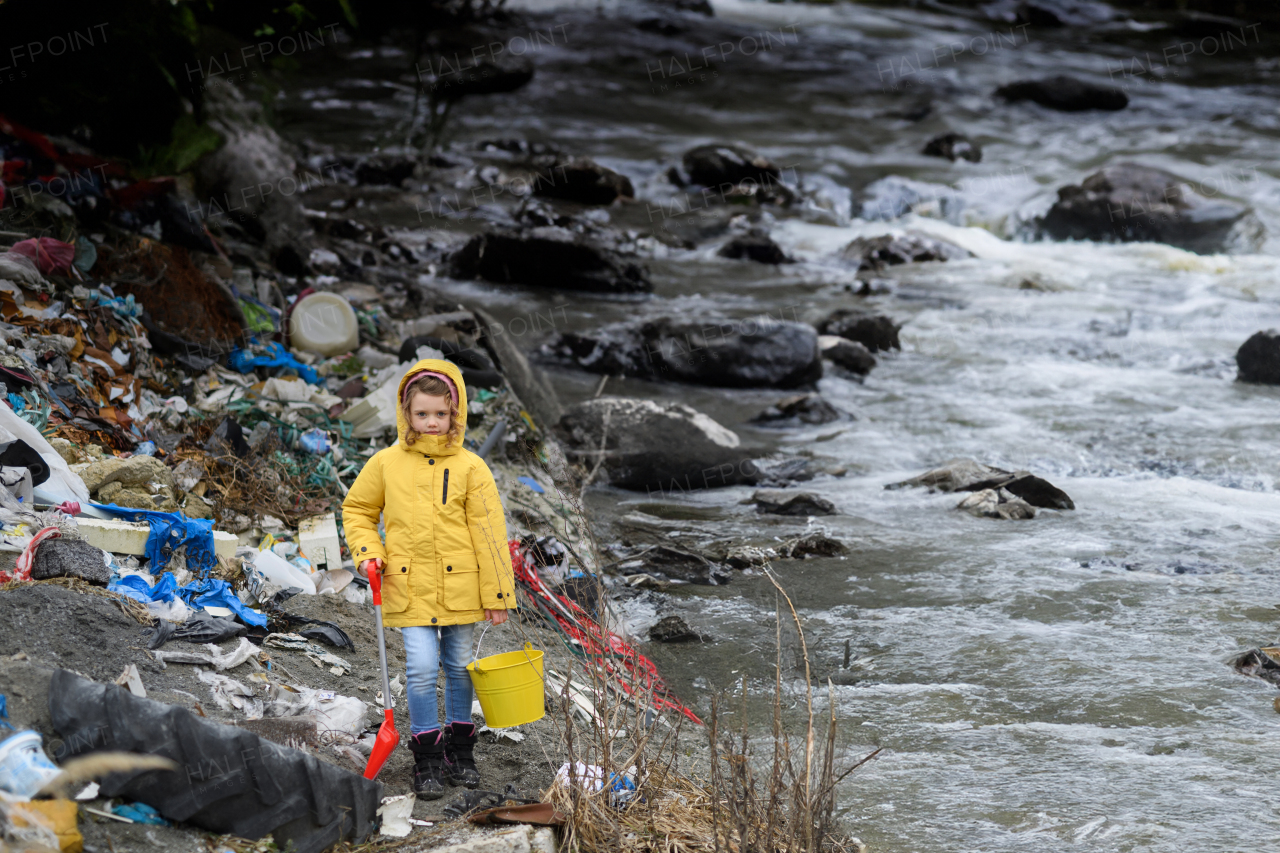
139,482
968,475
1128,202
1258,359
1065,94
876,332
550,257
251,179
641,444
910,247
758,352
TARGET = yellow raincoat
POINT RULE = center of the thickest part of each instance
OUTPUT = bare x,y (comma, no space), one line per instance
446,559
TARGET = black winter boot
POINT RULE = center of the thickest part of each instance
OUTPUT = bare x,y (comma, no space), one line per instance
429,768
459,756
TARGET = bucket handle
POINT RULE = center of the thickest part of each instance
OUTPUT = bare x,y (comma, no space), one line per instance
528,647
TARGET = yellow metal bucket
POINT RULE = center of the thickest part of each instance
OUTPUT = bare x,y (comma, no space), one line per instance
509,687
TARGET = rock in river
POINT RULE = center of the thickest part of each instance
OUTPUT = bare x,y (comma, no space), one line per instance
673,629
551,257
715,165
1258,358
953,146
912,247
660,447
876,332
756,246
1066,94
784,502
997,503
800,409
756,352
583,181
1128,202
967,475
850,355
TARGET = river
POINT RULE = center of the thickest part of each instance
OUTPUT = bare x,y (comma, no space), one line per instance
1036,684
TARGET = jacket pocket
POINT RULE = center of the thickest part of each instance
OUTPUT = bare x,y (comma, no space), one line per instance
395,585
460,582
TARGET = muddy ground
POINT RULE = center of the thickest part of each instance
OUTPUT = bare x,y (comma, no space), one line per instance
45,626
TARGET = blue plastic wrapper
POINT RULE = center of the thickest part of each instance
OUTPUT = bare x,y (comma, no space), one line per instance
272,355
146,448
314,441
4,714
169,531
140,813
198,594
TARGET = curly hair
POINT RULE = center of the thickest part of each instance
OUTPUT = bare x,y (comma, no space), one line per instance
435,387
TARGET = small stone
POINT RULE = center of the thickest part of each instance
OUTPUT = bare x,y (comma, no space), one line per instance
783,502
815,544
997,503
850,355
673,629
803,408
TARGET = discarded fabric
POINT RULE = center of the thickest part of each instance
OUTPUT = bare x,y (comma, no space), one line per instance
50,255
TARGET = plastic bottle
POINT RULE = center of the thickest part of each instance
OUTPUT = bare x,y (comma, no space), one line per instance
279,571
323,323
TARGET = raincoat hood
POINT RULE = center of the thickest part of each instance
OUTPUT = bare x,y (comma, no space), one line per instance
433,445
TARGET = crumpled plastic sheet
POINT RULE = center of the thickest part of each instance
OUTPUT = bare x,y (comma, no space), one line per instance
169,532
197,594
342,718
272,355
201,628
317,655
211,656
230,780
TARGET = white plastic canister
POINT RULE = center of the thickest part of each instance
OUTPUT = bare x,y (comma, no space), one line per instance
325,324
24,769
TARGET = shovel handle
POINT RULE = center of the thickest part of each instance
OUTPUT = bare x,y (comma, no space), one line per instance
375,585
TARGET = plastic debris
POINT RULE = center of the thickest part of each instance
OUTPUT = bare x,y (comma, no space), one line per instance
272,355
323,323
211,656
50,255
132,680
24,769
314,441
395,813
171,531
200,628
140,813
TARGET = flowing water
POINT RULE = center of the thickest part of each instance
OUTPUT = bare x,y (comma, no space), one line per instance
1037,684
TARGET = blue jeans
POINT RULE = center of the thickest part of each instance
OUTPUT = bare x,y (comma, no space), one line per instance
424,651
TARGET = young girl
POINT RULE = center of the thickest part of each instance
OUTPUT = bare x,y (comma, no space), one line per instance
445,564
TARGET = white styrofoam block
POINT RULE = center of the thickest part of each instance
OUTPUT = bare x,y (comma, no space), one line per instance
318,539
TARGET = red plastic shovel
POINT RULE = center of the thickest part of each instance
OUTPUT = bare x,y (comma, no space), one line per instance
388,737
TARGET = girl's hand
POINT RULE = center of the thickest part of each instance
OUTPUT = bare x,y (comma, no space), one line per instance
497,617
363,569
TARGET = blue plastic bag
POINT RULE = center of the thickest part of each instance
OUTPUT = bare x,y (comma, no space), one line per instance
140,813
169,531
273,355
211,591
314,441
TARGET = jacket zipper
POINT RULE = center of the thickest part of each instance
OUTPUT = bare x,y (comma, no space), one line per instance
444,498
